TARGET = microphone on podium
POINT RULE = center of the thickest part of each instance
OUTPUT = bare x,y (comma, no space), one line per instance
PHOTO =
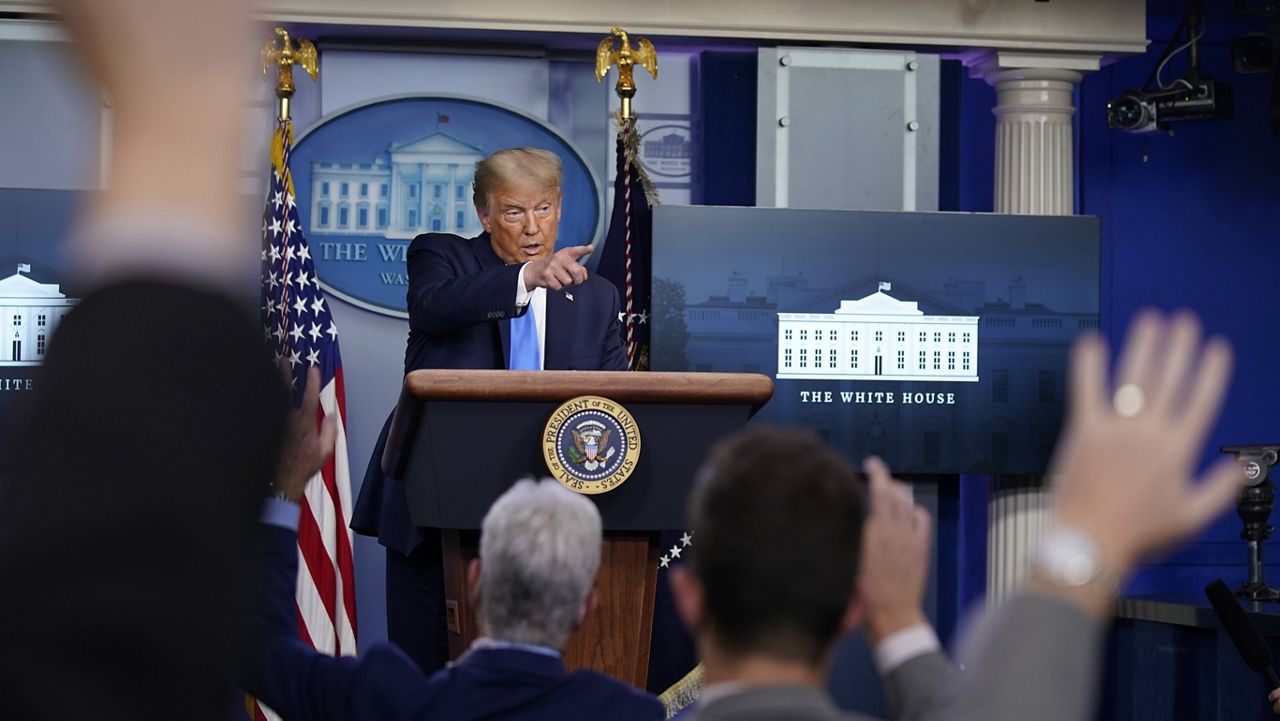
1253,649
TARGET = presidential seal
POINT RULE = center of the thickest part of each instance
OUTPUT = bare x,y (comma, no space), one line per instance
591,444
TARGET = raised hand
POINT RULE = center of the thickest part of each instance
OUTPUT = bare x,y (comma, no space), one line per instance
1123,469
895,555
307,445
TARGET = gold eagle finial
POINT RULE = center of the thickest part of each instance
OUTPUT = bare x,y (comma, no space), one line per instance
625,57
284,56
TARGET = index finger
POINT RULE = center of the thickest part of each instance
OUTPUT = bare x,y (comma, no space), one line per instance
577,251
887,495
877,471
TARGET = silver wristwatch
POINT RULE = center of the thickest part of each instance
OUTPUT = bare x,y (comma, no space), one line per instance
1069,558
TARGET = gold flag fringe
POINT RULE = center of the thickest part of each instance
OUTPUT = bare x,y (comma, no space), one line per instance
631,147
682,692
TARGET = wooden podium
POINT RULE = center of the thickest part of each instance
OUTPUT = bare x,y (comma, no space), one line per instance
460,438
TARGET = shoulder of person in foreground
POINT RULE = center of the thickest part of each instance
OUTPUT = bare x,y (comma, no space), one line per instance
622,700
463,691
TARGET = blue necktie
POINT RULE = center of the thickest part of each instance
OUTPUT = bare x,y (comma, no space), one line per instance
526,354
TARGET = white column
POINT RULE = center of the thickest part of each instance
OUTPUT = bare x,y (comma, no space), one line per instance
395,200
1034,169
1034,174
422,197
451,199
1034,163
1018,513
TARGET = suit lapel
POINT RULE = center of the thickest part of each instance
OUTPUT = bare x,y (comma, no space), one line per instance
487,259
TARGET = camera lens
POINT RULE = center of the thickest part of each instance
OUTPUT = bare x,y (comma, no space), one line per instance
1259,53
1127,113
1253,53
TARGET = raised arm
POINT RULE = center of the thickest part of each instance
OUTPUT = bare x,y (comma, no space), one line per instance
175,73
1123,478
274,664
920,680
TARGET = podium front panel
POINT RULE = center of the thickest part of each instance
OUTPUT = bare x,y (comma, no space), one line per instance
466,454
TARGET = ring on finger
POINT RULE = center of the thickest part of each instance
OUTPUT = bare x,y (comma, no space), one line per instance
1128,400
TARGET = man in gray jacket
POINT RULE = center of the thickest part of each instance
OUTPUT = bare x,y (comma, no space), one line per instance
778,523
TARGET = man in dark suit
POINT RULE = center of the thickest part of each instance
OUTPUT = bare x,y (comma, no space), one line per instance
465,295
504,299
539,553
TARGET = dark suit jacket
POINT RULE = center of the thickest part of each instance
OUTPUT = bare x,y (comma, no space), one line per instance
461,301
386,685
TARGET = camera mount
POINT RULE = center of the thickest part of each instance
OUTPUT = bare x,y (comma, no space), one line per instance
1195,96
1254,506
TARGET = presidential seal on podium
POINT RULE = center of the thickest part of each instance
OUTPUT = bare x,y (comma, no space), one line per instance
591,444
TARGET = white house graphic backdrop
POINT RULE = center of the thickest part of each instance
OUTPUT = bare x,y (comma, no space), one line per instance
878,337
29,313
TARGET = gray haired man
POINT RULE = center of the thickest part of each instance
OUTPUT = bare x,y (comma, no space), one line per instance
539,553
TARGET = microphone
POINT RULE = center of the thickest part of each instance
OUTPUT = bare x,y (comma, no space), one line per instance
1253,649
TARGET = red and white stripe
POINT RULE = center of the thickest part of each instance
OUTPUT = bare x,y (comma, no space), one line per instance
326,583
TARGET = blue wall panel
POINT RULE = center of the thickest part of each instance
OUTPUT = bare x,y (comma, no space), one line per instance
1194,225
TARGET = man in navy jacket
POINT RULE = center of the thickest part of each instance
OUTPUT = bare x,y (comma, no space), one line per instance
466,298
539,553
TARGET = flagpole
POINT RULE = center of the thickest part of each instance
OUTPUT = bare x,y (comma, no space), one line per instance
626,57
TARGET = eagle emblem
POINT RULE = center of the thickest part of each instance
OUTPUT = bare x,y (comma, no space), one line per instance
285,55
591,443
625,57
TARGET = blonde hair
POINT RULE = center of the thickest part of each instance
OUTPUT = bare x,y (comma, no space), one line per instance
516,166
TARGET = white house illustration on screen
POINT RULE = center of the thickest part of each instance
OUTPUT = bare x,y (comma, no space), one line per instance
426,187
29,312
879,338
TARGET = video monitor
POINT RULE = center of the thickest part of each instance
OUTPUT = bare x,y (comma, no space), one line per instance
937,341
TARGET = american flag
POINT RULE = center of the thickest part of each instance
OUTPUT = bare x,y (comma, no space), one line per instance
626,258
299,326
